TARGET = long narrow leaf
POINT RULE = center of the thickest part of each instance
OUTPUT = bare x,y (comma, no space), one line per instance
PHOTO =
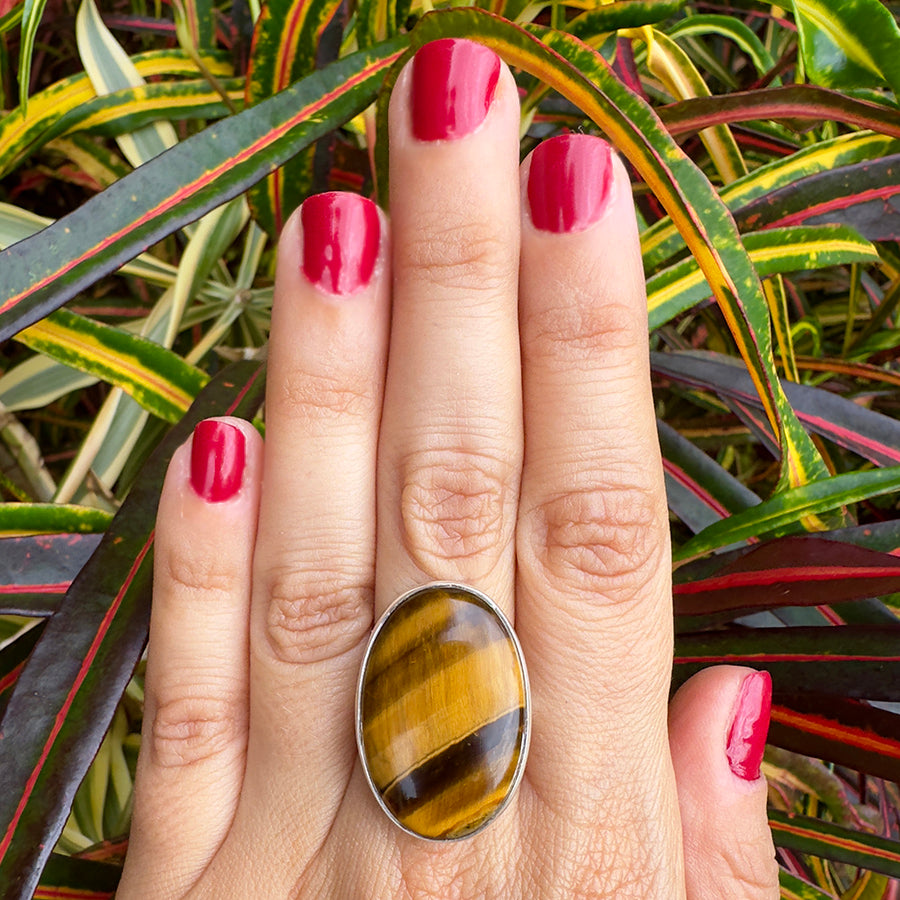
200,173
785,510
160,380
874,436
802,102
859,661
848,732
830,841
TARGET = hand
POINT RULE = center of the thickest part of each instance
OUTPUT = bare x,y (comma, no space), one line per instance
481,358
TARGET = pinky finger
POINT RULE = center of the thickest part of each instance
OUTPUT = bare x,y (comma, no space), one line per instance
718,722
196,688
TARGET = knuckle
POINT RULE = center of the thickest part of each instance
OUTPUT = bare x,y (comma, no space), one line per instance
452,508
583,328
462,255
756,872
310,620
333,394
608,540
185,731
201,575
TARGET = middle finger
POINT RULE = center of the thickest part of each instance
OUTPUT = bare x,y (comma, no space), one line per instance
451,438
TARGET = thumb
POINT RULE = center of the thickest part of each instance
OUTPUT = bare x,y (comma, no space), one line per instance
718,722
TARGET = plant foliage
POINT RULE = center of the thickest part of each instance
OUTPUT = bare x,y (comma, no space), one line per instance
146,167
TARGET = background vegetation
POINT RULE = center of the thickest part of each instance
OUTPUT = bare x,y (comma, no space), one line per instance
164,143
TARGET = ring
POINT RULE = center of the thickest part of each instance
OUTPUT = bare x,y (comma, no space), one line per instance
443,711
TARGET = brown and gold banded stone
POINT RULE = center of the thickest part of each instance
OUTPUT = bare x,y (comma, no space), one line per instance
442,722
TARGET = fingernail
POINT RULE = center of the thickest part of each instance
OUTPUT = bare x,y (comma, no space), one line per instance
217,460
453,84
341,236
570,182
747,736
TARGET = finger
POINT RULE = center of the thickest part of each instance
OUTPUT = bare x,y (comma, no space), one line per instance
717,731
593,607
196,686
314,566
451,432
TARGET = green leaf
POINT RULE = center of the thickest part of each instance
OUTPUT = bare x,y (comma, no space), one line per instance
729,27
849,43
195,176
776,250
32,12
50,518
110,69
662,240
782,513
103,625
72,103
158,379
794,888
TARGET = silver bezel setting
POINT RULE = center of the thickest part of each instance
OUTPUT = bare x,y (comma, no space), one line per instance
526,738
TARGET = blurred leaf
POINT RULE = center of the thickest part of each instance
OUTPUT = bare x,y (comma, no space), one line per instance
794,888
847,732
804,570
849,43
784,512
78,879
732,28
195,176
36,571
610,16
830,841
161,381
32,12
103,623
46,518
872,435
860,661
804,103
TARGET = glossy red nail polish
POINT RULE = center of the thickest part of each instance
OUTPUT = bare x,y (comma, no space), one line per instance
217,460
570,182
341,237
747,735
453,83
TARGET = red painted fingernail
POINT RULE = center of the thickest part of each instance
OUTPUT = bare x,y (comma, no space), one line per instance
453,84
747,736
341,237
217,460
570,182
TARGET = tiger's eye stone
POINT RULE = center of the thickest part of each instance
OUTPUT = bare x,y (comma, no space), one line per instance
442,717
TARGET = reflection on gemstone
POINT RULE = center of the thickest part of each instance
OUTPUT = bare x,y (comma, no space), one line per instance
442,720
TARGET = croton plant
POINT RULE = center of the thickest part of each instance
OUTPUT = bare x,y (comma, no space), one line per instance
149,154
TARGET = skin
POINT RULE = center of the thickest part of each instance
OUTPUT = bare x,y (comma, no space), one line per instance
493,381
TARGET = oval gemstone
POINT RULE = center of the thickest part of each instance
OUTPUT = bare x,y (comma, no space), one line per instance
442,717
